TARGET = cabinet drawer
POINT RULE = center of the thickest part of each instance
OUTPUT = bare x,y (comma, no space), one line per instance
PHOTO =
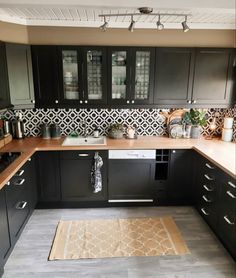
227,230
81,154
208,210
229,187
15,187
18,184
17,214
209,167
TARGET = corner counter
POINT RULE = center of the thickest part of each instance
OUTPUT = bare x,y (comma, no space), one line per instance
222,154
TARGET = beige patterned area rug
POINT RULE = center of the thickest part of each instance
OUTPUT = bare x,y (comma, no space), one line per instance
107,238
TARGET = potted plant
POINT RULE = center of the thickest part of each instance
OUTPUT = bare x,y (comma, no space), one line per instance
196,118
116,131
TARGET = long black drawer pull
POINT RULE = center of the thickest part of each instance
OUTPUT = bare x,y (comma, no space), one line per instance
231,184
21,205
19,173
206,199
204,212
208,178
209,166
207,188
231,194
19,182
228,221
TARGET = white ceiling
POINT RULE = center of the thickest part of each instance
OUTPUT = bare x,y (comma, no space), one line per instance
205,14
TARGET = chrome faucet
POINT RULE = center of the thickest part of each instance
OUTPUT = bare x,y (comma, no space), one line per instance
85,130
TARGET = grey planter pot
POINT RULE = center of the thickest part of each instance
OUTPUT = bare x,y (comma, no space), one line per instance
116,134
195,132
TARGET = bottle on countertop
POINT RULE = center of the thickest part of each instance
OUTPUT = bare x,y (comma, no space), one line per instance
96,132
18,127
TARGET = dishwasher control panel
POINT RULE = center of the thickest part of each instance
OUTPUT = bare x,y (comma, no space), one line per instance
132,154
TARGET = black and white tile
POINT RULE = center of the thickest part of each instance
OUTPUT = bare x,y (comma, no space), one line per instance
146,121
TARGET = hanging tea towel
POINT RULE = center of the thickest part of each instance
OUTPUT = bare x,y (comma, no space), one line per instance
96,176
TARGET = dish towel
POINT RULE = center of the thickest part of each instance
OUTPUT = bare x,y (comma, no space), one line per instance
96,176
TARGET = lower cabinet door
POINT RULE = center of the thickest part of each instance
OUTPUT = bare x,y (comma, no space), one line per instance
48,178
17,215
4,232
76,178
180,177
227,226
130,180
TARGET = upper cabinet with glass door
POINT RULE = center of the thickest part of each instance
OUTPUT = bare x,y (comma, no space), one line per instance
95,75
83,75
142,88
70,69
119,75
131,73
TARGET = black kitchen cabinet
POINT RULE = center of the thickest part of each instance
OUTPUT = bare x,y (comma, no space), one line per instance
17,201
20,75
206,191
213,77
215,199
31,182
78,76
4,85
76,169
173,76
4,232
45,71
131,180
179,187
226,229
82,75
130,75
48,176
21,197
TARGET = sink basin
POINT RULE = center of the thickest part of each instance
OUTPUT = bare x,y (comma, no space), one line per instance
82,141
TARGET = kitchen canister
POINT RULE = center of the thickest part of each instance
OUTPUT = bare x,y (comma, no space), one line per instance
227,134
45,130
55,131
228,122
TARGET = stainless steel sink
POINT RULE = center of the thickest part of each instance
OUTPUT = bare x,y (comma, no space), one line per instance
84,141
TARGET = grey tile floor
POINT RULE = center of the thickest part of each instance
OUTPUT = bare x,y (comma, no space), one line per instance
208,258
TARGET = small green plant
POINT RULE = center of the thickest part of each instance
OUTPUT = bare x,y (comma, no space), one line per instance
116,127
195,117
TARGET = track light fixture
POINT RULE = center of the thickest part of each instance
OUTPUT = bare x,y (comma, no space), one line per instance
160,26
132,24
104,26
145,11
185,26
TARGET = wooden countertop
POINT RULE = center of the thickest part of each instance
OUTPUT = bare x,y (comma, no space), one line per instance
223,154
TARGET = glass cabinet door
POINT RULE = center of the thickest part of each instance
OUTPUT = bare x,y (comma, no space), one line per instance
119,75
142,74
94,74
70,74
143,71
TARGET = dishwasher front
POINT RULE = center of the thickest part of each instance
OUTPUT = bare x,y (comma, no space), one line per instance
130,175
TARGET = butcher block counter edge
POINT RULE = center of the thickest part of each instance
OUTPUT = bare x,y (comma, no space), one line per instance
222,154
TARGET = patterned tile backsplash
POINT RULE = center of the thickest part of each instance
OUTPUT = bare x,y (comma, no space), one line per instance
146,121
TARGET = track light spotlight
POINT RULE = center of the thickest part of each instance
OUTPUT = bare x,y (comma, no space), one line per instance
160,26
185,26
104,26
132,24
